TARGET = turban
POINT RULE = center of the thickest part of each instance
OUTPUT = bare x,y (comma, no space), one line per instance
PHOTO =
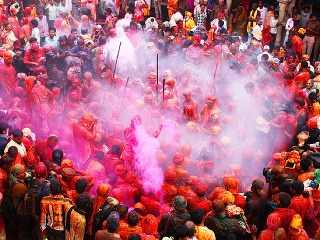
120,170
87,75
316,175
179,202
189,14
201,188
17,168
215,193
103,190
312,123
67,163
215,130
178,159
204,206
170,82
302,31
296,222
68,172
40,169
226,197
231,184
26,132
141,208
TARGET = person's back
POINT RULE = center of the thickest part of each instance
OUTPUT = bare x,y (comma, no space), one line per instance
255,207
52,217
223,226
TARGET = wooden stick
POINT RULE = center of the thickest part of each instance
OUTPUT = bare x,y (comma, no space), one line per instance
163,83
157,75
115,65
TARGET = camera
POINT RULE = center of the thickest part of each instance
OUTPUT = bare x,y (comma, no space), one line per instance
270,178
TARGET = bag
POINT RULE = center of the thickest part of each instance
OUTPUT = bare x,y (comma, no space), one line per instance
33,198
8,211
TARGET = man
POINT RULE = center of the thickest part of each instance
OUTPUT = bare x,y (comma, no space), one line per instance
51,39
201,16
255,207
297,42
84,132
289,26
298,202
263,11
283,211
254,15
53,212
18,189
202,232
312,30
223,226
52,11
4,128
220,7
210,113
39,102
17,136
179,215
34,57
7,35
274,23
231,185
112,227
8,80
76,218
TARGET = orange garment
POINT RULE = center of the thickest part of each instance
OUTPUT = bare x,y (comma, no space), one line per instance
168,191
53,209
132,230
172,7
204,233
182,174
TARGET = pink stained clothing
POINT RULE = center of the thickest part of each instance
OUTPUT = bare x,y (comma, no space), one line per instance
128,153
83,138
8,80
14,22
98,172
39,102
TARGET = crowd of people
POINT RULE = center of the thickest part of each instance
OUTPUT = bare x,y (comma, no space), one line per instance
170,119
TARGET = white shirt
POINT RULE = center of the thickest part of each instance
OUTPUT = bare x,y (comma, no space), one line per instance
273,25
289,25
36,33
52,12
21,148
263,13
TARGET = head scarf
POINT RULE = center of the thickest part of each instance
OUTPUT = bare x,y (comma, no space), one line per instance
15,169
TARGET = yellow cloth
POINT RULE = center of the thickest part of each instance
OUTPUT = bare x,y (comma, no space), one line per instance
189,24
254,15
204,233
